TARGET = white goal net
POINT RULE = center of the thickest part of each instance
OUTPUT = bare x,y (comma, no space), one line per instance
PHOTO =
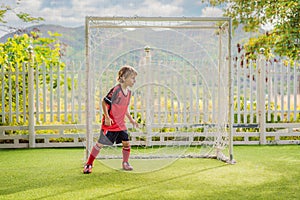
182,93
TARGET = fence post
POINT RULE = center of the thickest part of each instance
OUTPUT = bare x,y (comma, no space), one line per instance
261,69
31,123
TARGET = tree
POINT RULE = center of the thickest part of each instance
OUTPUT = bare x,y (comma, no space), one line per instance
24,17
14,54
282,38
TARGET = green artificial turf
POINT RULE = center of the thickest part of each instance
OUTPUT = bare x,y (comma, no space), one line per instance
261,172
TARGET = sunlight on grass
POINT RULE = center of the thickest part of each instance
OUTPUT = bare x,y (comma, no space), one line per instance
261,172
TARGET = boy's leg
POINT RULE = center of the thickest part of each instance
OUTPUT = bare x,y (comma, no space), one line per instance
126,151
126,154
89,164
94,153
103,139
106,138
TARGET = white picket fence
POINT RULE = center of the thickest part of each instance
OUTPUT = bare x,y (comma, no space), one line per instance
53,110
267,93
266,105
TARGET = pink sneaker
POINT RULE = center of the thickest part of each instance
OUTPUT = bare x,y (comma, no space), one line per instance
126,166
87,169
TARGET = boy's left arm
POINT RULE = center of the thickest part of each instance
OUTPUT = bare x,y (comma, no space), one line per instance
134,123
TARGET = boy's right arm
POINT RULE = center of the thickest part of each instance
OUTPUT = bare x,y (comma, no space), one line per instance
107,119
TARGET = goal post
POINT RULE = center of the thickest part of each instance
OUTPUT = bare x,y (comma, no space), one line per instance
183,94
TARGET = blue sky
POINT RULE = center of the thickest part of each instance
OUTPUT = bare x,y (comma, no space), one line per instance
71,13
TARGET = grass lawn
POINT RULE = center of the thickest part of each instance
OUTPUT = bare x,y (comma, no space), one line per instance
261,172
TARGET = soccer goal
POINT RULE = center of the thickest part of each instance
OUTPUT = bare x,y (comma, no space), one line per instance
182,96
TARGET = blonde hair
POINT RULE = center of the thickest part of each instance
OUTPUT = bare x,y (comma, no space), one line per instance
125,72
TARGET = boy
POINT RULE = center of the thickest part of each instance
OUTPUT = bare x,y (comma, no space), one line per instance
115,108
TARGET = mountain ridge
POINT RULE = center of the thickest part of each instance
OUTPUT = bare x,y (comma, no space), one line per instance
73,38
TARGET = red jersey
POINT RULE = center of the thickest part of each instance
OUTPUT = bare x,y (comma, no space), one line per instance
117,105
